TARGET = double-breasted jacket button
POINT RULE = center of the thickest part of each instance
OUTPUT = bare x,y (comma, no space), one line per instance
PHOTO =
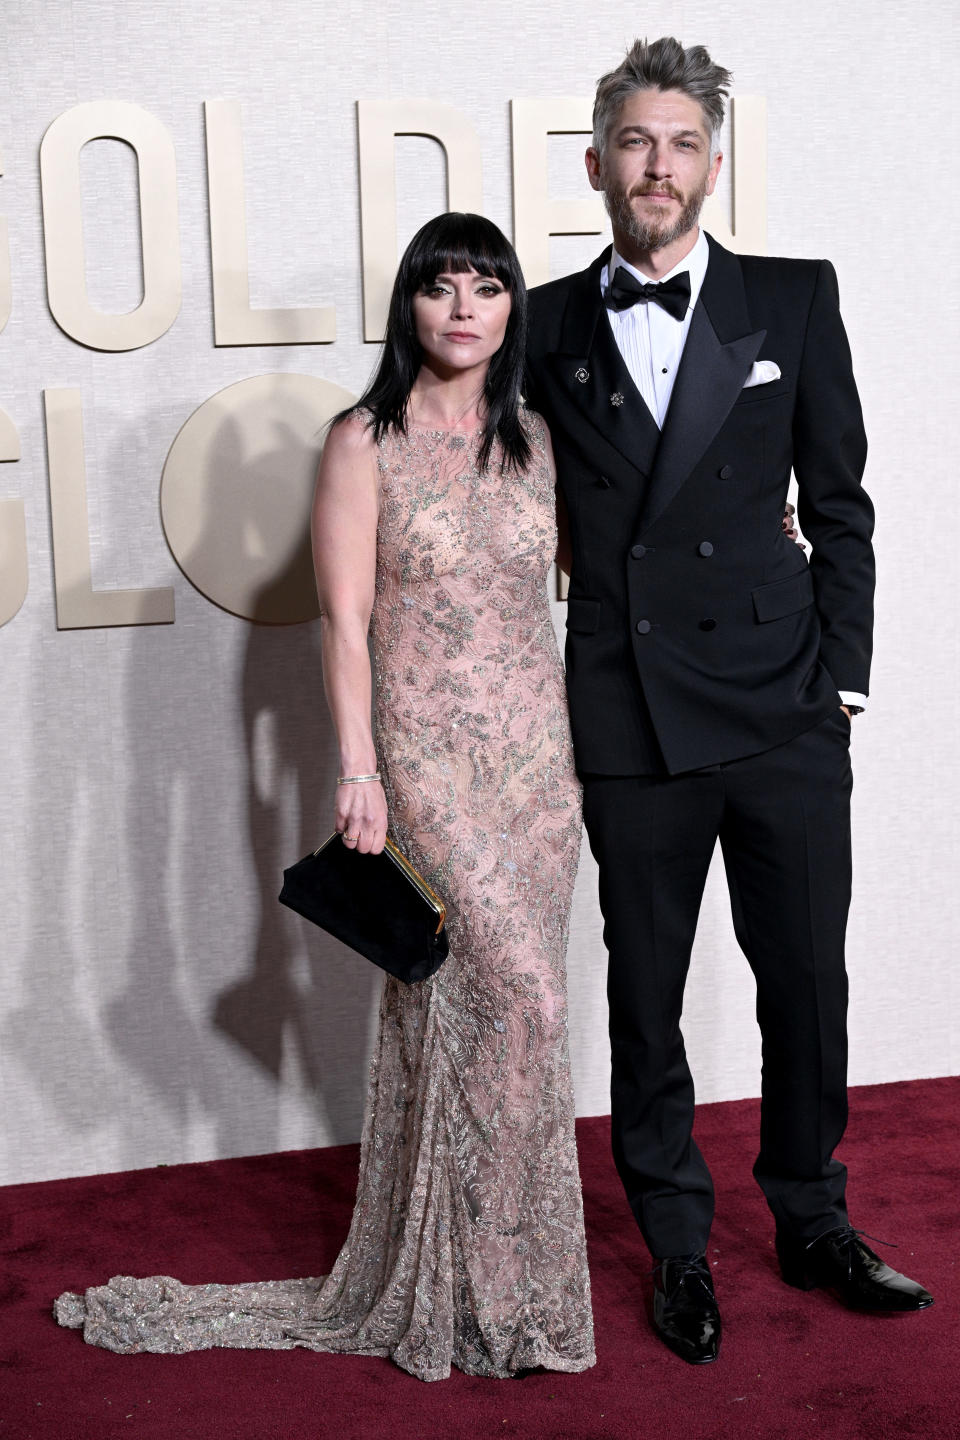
705,549
725,472
638,551
708,624
603,482
644,627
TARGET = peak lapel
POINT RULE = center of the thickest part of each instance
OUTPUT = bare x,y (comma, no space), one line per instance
618,408
717,356
594,377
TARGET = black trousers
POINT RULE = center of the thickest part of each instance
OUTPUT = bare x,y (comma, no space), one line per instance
783,822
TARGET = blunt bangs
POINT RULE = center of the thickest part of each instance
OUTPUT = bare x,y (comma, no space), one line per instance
456,244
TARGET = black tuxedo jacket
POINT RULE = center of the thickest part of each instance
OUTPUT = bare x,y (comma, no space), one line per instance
697,632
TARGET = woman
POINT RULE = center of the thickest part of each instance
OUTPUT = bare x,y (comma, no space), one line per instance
434,524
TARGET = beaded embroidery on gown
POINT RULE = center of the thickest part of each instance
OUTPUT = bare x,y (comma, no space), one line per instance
466,1245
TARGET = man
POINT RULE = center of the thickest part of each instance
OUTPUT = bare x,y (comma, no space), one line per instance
712,671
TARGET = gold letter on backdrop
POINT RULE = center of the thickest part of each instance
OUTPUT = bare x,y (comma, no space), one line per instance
13,533
748,160
535,216
63,224
4,268
234,322
79,606
237,490
379,122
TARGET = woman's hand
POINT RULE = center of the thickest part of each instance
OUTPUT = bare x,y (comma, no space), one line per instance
788,527
361,816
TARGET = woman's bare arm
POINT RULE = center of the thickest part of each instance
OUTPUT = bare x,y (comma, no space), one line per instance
563,556
343,528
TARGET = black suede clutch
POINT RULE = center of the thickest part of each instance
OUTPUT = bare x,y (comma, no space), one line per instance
377,904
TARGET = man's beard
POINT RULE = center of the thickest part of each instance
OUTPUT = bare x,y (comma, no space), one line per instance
653,235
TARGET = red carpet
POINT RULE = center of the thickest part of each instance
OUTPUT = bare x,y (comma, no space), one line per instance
793,1364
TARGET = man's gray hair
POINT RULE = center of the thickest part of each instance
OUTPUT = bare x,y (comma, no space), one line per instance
662,65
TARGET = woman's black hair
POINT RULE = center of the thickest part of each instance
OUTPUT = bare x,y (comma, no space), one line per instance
454,243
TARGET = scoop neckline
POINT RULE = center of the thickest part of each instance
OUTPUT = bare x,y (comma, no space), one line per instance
444,430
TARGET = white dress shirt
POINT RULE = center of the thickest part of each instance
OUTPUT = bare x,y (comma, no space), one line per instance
651,342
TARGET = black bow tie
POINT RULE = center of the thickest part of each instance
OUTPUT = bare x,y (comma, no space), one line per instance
626,290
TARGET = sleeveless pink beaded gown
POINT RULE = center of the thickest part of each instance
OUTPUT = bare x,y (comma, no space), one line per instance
466,1245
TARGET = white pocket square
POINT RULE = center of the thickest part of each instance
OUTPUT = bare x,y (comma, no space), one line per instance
762,372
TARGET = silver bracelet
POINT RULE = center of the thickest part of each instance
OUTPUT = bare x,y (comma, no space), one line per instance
356,779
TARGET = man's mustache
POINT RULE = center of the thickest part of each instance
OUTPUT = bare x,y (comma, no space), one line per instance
665,189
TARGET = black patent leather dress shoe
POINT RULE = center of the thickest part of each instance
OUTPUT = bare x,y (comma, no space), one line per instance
685,1313
839,1261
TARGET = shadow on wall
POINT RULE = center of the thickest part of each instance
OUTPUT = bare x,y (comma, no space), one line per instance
301,1012
304,1010
305,1006
52,1041
213,767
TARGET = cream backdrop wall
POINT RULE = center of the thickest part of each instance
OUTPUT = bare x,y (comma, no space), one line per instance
156,1005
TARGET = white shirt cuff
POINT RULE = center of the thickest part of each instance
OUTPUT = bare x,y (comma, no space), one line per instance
851,697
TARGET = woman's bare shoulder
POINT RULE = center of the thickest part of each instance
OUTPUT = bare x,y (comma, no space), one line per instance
352,437
348,465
